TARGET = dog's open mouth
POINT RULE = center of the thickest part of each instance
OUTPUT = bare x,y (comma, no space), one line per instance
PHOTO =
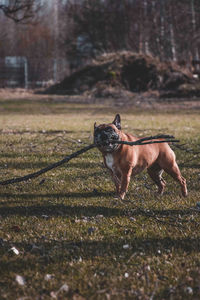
103,138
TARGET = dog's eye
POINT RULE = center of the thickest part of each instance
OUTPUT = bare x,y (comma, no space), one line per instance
108,129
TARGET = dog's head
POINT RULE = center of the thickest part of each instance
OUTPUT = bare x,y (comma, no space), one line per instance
103,133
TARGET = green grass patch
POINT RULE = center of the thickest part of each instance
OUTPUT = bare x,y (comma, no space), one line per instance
75,240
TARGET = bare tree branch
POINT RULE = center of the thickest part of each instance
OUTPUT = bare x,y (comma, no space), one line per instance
148,140
48,168
20,10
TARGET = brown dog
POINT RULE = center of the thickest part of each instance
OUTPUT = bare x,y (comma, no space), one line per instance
124,160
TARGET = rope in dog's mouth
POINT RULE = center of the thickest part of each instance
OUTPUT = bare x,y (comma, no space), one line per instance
143,141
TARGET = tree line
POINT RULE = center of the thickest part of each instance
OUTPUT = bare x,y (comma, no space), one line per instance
78,30
167,29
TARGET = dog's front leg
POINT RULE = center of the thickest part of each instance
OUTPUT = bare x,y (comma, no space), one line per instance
116,179
125,179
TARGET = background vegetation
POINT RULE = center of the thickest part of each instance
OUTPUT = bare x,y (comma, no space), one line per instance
58,37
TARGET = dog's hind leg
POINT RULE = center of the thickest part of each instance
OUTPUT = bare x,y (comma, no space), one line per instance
176,175
155,172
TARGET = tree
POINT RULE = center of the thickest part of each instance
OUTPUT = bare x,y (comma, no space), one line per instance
19,10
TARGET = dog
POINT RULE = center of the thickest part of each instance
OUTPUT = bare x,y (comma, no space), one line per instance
124,161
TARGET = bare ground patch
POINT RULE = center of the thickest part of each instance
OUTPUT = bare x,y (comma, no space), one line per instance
124,100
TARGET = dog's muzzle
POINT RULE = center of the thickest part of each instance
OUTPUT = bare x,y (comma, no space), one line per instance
103,138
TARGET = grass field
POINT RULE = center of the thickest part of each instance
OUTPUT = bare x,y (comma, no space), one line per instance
66,235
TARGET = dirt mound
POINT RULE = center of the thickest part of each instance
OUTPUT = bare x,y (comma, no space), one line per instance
113,73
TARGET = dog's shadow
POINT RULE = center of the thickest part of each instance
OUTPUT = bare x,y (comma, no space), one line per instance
117,208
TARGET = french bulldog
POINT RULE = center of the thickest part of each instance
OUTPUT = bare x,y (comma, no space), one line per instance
124,161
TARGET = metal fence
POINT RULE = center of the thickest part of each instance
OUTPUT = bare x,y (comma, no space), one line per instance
33,72
13,72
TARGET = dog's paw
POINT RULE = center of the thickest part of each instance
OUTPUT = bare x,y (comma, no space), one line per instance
122,195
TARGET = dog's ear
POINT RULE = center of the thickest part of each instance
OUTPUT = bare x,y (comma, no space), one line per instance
117,122
95,125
